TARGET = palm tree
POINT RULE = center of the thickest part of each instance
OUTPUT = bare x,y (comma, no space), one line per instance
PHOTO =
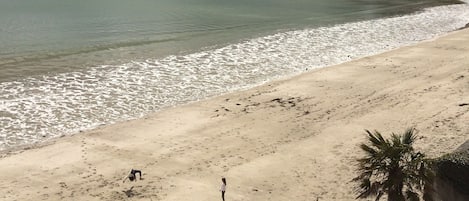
392,167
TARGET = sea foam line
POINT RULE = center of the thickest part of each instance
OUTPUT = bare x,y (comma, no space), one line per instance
39,108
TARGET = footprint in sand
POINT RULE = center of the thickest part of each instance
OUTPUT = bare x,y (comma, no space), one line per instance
63,184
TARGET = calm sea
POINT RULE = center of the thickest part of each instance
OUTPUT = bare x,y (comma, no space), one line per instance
68,65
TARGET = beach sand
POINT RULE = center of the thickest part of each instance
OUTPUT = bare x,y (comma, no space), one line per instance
291,139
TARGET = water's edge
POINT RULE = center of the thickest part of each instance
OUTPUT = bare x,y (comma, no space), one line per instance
20,148
70,103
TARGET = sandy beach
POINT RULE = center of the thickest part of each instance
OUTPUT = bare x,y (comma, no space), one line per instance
291,139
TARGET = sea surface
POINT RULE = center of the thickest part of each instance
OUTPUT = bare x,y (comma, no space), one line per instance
69,65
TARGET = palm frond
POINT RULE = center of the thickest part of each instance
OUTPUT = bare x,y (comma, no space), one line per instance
396,140
368,188
412,196
380,194
409,137
392,167
376,139
369,150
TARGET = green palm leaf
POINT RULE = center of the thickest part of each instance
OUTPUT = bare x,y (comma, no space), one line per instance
391,167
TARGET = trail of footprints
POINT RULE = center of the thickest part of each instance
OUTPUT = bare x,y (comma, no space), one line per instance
91,171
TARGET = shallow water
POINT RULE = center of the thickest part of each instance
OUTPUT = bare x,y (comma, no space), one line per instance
52,36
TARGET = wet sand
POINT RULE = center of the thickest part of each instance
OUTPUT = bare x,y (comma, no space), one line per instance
291,139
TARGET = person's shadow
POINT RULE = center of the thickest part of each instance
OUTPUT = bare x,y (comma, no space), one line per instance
129,192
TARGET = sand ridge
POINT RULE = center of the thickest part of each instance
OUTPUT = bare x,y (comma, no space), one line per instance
291,139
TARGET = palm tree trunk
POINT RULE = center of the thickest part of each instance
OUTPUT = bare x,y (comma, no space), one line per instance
395,194
395,190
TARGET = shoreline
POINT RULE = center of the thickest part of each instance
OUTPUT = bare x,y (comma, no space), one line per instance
66,103
293,138
18,149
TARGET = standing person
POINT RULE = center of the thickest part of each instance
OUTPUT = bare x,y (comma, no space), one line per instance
223,188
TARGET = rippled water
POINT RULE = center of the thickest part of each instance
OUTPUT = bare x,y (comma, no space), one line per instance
54,36
45,105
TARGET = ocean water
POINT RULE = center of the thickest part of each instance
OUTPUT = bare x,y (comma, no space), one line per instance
67,66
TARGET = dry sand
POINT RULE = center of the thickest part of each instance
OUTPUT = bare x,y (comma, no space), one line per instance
293,139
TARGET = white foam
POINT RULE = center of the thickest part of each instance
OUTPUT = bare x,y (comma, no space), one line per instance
39,108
